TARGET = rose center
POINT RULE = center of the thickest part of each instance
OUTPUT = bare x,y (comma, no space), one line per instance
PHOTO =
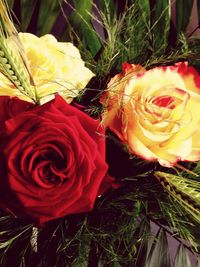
48,175
164,101
50,168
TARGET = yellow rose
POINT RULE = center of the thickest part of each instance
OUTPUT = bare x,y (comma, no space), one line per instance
156,112
55,67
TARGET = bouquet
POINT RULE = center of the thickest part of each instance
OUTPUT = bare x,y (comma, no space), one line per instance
100,134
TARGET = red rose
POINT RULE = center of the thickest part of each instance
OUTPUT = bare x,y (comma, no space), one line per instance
52,159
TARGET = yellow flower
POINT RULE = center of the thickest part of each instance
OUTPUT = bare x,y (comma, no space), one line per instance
156,112
55,67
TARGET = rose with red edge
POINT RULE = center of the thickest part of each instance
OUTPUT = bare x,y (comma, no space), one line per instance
155,112
52,159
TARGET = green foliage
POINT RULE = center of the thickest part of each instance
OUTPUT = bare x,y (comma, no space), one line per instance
182,259
10,3
13,234
26,8
144,6
108,8
159,253
122,29
48,13
80,19
183,12
118,231
160,26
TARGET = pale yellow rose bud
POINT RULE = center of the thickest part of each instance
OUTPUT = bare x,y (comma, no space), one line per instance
156,112
56,67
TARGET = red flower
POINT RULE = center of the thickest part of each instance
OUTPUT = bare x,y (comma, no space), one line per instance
52,159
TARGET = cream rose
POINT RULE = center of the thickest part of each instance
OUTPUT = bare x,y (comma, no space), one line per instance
55,67
156,112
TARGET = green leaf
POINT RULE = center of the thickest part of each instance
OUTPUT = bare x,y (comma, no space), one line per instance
160,25
159,252
182,258
48,13
81,22
27,9
183,12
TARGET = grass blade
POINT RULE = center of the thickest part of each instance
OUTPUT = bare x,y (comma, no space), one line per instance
10,3
48,13
27,9
183,12
145,6
144,230
159,252
108,6
182,258
160,25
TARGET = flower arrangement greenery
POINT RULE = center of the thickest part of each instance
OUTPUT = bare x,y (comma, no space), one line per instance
99,134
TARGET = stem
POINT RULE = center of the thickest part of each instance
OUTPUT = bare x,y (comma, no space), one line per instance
186,170
193,31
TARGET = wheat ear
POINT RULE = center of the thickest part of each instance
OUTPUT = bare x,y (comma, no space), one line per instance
13,61
184,190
